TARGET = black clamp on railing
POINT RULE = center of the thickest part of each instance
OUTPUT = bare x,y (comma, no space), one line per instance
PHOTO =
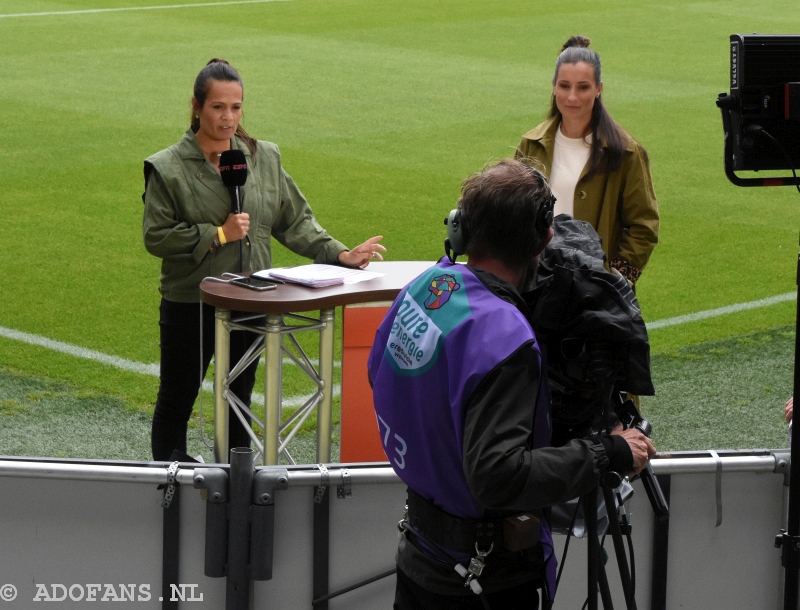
324,479
169,493
790,547
344,490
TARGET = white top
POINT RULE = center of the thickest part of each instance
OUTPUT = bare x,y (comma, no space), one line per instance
569,158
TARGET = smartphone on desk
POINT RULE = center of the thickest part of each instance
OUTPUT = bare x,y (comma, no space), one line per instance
254,283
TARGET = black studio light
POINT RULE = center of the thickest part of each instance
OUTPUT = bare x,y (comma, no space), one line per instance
761,114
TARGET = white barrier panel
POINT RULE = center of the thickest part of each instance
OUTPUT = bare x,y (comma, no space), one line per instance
89,534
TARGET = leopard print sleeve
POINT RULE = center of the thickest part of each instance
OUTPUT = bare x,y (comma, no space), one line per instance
628,271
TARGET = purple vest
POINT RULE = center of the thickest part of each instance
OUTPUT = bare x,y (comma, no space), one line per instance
444,333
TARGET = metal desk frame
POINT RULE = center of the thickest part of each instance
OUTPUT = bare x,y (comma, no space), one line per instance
271,343
252,307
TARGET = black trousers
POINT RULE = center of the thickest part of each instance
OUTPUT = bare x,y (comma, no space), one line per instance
411,596
181,377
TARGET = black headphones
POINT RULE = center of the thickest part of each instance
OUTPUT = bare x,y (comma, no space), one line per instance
458,235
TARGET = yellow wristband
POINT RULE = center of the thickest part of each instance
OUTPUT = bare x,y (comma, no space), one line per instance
221,235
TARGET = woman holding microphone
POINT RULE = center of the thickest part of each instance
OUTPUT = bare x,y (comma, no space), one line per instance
189,225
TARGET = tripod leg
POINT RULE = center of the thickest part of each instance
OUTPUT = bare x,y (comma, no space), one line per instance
589,502
619,548
605,590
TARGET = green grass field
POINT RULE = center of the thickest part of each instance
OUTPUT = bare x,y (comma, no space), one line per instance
380,110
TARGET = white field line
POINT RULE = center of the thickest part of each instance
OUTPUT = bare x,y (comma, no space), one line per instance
295,401
129,365
721,311
133,8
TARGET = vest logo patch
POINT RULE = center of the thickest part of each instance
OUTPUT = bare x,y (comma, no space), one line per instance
413,337
441,288
422,322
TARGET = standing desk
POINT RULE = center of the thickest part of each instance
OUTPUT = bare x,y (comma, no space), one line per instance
267,314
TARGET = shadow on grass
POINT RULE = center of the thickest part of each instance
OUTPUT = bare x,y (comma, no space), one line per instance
717,395
723,394
45,418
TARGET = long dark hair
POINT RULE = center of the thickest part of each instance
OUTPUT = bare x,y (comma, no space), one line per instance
220,70
605,130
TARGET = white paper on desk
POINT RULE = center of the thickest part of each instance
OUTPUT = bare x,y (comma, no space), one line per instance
319,273
354,276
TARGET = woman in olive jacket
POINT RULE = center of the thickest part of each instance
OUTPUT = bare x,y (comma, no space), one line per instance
598,171
189,225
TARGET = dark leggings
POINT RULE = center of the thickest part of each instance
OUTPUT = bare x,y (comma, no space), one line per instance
181,376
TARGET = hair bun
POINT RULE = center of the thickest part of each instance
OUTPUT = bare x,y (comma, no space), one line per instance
219,60
576,41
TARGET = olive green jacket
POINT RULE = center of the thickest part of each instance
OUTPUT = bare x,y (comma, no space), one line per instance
622,206
185,201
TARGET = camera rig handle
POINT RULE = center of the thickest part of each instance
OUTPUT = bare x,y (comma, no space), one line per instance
654,493
630,417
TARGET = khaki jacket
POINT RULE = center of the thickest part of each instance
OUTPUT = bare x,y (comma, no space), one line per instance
622,206
185,201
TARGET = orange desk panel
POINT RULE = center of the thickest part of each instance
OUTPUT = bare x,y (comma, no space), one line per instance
360,439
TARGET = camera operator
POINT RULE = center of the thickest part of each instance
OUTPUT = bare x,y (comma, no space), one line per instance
463,405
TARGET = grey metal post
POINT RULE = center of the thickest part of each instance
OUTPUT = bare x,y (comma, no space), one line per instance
325,408
215,482
241,483
262,525
272,387
222,365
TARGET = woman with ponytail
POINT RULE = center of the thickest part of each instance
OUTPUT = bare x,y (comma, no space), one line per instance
597,170
188,223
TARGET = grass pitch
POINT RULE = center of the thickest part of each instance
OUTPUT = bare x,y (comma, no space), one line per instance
380,110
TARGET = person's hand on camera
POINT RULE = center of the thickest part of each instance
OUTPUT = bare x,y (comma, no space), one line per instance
641,447
236,226
788,409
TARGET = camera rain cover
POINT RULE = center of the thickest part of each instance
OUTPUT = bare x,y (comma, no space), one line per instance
578,305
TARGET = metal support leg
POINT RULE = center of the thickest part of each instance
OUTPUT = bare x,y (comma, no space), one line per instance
272,388
658,589
324,412
322,400
322,532
222,365
241,486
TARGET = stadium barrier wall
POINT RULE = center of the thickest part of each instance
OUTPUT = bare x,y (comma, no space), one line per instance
93,532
